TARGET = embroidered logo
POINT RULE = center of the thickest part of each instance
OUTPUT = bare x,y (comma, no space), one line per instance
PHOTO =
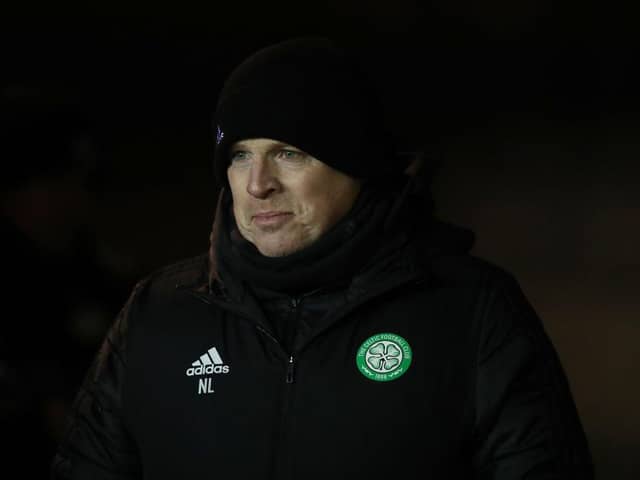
209,363
384,357
219,135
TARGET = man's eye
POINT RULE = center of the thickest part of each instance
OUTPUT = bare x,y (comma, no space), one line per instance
290,154
238,156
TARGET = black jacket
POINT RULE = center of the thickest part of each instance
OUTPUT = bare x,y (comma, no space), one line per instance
431,366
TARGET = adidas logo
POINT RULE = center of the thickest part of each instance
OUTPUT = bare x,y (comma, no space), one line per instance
209,362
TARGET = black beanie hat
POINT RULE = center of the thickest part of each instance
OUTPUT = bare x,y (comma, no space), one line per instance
309,93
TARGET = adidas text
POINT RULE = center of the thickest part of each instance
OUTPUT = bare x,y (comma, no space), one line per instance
207,370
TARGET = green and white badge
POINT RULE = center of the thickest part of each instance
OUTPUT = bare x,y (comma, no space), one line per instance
384,357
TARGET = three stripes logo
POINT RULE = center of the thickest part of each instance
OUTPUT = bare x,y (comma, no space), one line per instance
208,363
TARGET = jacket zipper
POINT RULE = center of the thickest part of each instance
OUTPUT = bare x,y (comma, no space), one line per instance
295,303
283,457
290,364
291,370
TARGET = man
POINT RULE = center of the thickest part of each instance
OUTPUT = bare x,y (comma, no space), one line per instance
335,329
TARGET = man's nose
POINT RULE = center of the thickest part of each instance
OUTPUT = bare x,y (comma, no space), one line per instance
263,180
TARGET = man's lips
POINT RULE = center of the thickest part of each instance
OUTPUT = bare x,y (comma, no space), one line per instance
271,218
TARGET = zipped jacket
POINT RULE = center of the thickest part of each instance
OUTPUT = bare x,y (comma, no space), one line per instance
431,366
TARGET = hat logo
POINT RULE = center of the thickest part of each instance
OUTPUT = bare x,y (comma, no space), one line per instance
219,135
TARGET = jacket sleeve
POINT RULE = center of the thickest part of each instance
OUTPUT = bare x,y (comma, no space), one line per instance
527,425
96,444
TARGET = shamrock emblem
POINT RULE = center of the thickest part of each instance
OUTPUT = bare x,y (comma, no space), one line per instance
384,356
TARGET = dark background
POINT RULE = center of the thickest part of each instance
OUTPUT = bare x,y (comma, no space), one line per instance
530,109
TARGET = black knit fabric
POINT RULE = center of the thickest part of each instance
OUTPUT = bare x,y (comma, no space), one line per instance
310,93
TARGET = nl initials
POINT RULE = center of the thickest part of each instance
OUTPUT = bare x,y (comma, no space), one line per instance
205,385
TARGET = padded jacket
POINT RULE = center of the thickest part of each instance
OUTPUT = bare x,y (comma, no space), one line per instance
431,365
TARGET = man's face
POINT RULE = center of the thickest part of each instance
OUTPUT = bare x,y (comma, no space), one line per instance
283,198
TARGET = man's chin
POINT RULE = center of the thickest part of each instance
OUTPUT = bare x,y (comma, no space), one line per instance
275,252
